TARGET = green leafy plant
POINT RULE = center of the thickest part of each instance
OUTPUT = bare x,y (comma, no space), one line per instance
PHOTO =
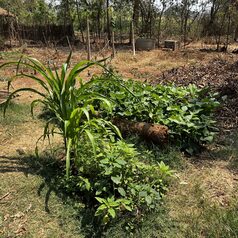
187,111
106,172
115,181
109,207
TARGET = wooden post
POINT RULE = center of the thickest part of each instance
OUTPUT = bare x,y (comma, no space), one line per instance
70,47
108,22
88,41
113,45
133,38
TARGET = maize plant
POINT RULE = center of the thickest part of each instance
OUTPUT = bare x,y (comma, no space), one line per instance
65,96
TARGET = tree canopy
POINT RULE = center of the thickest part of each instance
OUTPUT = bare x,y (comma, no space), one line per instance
185,20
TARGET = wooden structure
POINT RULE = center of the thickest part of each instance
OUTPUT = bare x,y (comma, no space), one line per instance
145,44
172,44
7,24
46,33
11,29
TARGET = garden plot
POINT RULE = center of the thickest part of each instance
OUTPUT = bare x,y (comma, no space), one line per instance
95,180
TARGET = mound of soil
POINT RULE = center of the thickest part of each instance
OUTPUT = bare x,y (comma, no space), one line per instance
220,76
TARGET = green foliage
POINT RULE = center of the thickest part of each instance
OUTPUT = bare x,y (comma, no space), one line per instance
187,111
71,106
30,12
108,173
116,181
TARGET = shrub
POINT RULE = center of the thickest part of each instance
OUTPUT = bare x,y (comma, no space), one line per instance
187,111
71,107
116,181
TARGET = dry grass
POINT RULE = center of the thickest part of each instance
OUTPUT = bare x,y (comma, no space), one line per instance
145,66
204,203
5,13
29,207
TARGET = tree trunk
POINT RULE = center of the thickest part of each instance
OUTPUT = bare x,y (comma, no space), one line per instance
79,21
99,22
108,23
121,23
159,29
136,12
113,45
236,34
133,38
158,134
88,41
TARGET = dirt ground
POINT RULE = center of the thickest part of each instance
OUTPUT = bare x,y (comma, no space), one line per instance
211,172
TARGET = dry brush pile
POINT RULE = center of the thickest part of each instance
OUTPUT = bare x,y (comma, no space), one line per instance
220,76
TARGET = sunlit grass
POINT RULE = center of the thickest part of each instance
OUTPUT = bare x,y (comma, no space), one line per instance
34,207
16,114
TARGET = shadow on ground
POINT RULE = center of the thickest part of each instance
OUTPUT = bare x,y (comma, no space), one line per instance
52,171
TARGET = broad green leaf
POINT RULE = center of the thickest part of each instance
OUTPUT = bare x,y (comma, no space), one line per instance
122,191
112,212
116,180
102,207
143,194
121,162
91,138
148,199
101,200
128,208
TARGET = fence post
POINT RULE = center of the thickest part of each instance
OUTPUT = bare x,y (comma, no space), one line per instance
113,45
88,40
133,38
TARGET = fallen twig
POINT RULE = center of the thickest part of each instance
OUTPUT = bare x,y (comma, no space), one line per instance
4,196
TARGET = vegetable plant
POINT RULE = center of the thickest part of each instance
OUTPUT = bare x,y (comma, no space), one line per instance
106,172
187,111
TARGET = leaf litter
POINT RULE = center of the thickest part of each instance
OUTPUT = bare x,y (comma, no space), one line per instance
218,75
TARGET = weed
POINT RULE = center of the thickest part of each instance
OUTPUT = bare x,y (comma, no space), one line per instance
115,181
72,108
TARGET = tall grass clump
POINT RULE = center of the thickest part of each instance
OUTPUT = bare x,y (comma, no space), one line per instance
71,108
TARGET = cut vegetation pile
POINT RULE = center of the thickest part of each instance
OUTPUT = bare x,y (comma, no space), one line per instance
220,76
